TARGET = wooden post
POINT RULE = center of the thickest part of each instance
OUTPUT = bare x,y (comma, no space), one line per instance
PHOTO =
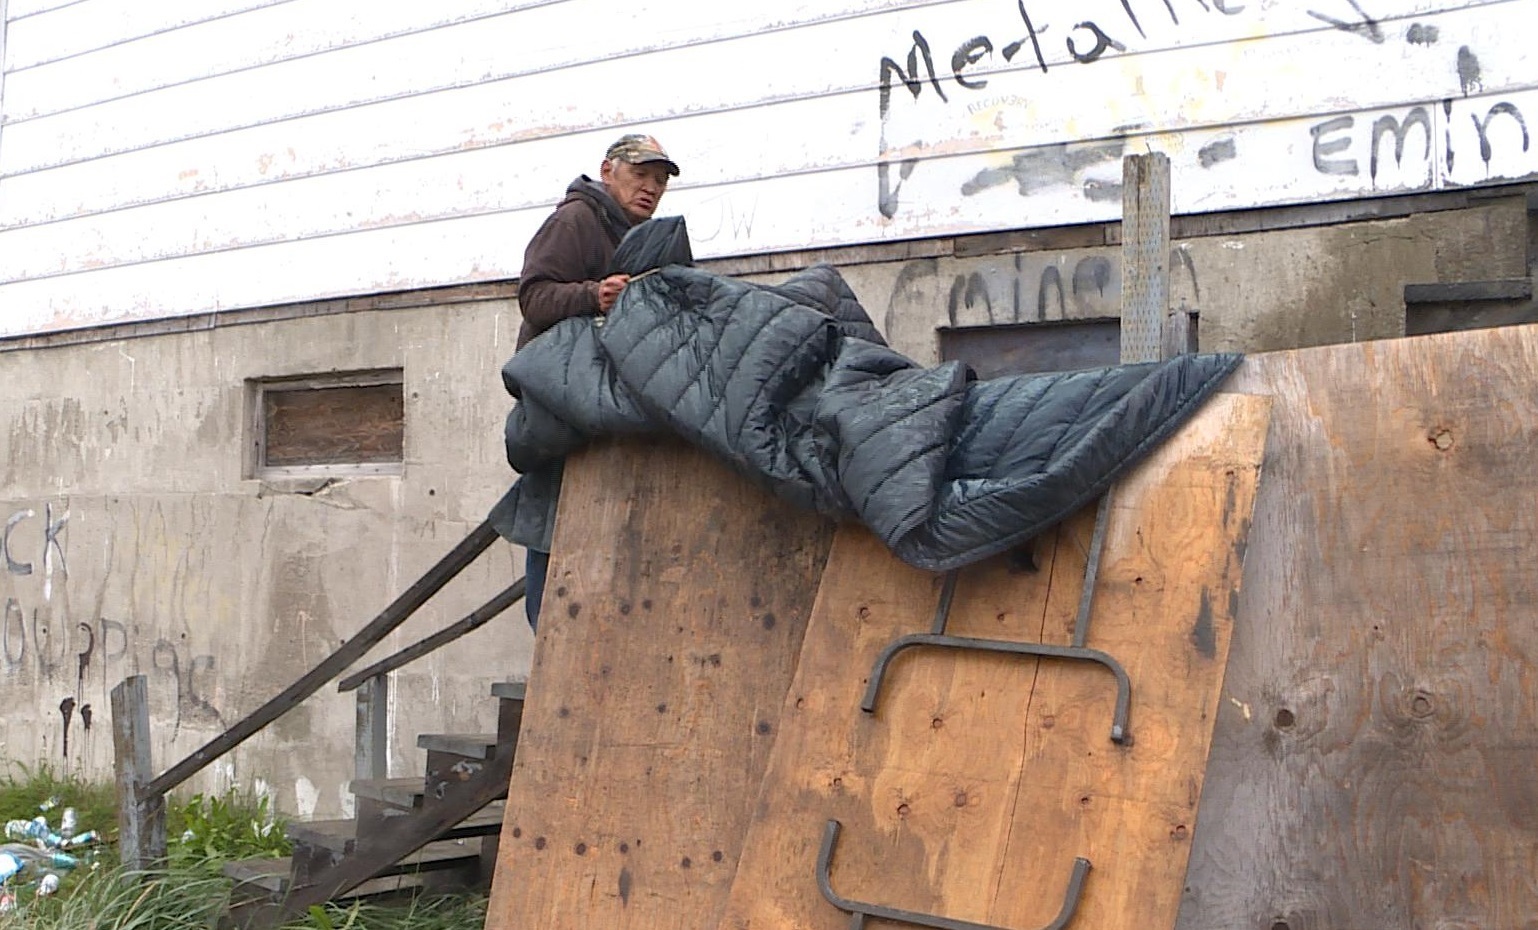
141,820
371,754
1145,251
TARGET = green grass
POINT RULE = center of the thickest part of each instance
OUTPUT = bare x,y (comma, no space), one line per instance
209,830
24,788
467,912
204,831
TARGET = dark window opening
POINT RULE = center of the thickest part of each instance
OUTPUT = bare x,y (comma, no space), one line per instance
1033,348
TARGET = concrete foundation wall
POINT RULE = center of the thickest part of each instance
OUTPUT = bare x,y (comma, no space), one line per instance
136,544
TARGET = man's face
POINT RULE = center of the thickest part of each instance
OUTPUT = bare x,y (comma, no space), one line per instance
636,188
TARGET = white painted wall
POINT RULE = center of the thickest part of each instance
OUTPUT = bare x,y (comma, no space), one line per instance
191,155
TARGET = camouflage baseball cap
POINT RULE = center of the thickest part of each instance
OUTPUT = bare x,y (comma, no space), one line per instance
639,149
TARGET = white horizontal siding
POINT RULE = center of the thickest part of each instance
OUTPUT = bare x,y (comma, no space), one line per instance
1222,84
56,31
225,45
292,169
773,213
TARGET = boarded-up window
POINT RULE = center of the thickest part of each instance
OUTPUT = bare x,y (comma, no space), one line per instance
346,423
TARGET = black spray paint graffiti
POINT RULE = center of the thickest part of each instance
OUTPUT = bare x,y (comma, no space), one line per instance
1086,42
1364,25
186,681
1089,40
37,643
51,544
41,639
1053,165
1093,289
1336,143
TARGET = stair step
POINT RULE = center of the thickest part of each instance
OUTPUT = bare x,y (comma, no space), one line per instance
342,835
509,690
469,745
326,834
404,793
270,875
441,854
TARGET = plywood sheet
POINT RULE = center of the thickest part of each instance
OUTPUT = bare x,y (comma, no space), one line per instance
1374,762
673,615
979,778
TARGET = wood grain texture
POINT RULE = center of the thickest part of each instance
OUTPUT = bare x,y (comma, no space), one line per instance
673,616
980,777
1373,765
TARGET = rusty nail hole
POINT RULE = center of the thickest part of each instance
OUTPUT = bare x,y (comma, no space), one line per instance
517,832
1048,722
1285,719
763,728
1442,439
937,723
560,591
624,847
1280,925
903,810
539,842
838,781
863,613
717,856
961,799
686,862
1421,705
1179,832
1084,801
646,604
800,703
581,849
1138,580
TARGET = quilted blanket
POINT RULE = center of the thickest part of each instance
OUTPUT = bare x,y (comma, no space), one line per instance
793,387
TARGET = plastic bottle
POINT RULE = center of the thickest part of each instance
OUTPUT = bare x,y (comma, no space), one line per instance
89,836
35,829
9,865
47,885
67,823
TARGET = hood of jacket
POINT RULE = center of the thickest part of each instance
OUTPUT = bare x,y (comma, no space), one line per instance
597,196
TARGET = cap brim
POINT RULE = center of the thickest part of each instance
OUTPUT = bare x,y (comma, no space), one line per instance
672,165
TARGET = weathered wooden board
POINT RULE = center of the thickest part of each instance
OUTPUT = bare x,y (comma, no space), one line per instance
1374,762
673,616
980,778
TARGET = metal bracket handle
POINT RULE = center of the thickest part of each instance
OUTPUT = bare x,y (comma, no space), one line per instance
860,911
1123,682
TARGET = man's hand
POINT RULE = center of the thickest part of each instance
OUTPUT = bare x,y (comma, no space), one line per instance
608,290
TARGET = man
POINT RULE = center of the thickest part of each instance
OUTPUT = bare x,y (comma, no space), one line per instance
566,264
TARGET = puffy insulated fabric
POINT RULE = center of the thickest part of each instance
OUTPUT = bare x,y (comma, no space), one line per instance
792,386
